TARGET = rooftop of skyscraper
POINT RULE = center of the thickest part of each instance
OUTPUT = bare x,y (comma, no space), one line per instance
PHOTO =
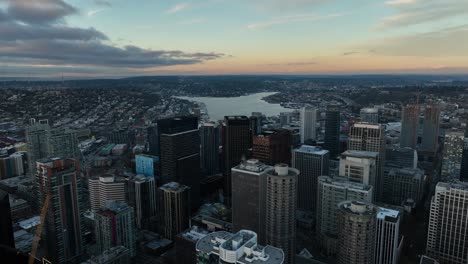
360,154
174,187
252,166
357,207
367,125
387,214
311,150
240,247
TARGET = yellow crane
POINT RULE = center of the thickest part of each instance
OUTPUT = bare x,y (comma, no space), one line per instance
37,236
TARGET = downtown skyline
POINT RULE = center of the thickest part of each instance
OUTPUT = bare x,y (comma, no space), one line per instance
116,38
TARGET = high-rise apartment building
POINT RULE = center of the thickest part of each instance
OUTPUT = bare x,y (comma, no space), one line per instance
272,146
402,184
332,130
6,225
37,138
238,248
370,137
281,206
60,178
308,118
388,243
330,193
209,158
359,166
44,142
286,118
249,197
237,140
141,195
174,213
448,223
105,188
180,153
452,155
312,162
430,135
369,115
409,126
356,228
63,142
115,226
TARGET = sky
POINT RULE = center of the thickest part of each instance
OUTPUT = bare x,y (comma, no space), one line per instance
119,38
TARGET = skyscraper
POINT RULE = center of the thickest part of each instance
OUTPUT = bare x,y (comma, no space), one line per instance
330,193
174,209
180,153
370,137
115,226
430,136
359,166
209,135
236,145
44,142
60,179
281,206
37,138
409,126
103,189
308,119
402,184
356,228
387,236
398,157
6,228
141,195
370,115
312,162
452,155
272,146
332,130
464,164
448,223
249,197
64,143
286,118
146,164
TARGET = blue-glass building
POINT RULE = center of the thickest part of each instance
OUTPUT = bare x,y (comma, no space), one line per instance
146,164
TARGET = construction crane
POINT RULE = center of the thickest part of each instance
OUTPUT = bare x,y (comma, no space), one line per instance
37,236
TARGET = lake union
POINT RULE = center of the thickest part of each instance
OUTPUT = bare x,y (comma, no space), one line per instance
218,107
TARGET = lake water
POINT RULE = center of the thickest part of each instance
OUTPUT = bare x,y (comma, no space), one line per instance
218,107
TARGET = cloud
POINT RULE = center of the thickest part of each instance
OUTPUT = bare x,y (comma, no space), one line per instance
94,12
413,12
177,8
39,11
350,53
51,43
17,32
57,52
450,41
290,19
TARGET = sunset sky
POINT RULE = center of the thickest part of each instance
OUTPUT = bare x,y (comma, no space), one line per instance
111,38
